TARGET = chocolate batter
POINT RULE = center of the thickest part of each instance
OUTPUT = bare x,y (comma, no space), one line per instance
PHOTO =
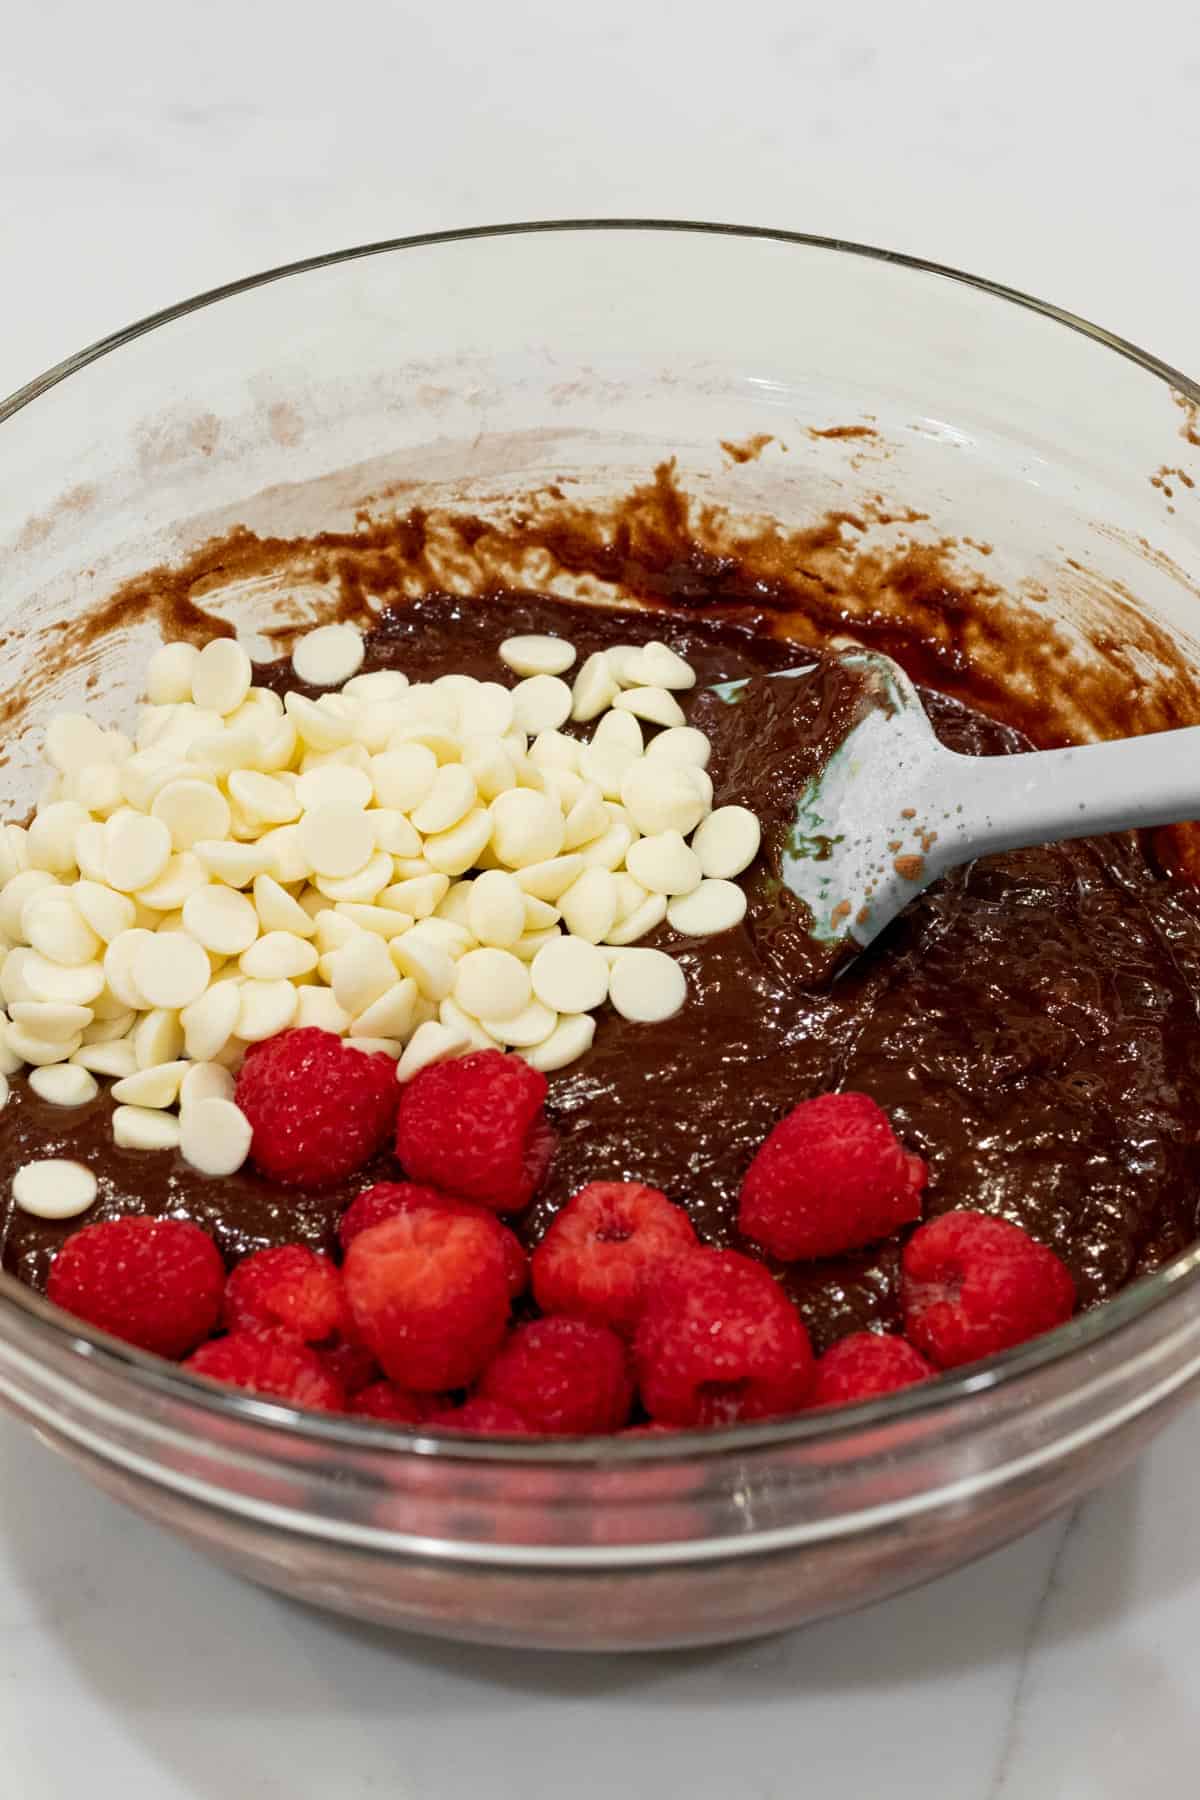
1030,1024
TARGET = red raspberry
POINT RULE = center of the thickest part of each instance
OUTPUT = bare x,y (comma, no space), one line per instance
563,1376
865,1364
429,1295
291,1286
154,1282
272,1363
831,1177
387,1198
350,1364
478,1414
384,1400
604,1248
719,1341
971,1285
475,1127
318,1109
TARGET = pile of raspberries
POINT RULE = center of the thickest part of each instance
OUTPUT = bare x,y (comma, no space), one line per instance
620,1319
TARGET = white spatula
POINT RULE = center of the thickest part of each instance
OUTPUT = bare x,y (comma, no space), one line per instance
893,809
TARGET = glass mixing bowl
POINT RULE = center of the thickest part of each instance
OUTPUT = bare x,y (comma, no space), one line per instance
471,367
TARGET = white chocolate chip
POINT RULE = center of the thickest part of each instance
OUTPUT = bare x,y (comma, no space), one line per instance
50,840
144,1128
683,744
74,743
654,704
527,828
209,1022
171,969
587,819
105,1031
589,905
713,906
570,975
455,851
450,798
328,656
53,924
491,764
657,665
317,1006
78,986
50,1020
277,911
205,1081
532,1025
491,709
214,1136
334,784
382,920
491,984
660,795
570,1039
265,799
426,963
266,1008
38,1050
18,891
115,1058
452,938
64,1084
646,986
430,1043
136,849
609,850
157,1038
337,840
362,971
420,895
155,1086
221,676
727,842
55,1188
278,956
220,919
118,967
392,1015
595,688
191,810
451,1014
496,909
364,885
239,864
542,703
317,727
664,864
379,685
184,874
537,655
169,674
644,917
402,777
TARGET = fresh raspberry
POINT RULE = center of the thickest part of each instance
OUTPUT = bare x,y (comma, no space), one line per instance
832,1176
318,1109
428,1292
291,1286
971,1285
387,1198
154,1282
384,1400
865,1364
478,1414
719,1341
564,1376
475,1127
272,1363
351,1365
604,1248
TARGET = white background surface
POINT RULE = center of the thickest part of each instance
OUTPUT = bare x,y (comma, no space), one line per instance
148,151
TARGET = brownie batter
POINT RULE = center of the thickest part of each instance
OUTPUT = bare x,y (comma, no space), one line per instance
1030,1024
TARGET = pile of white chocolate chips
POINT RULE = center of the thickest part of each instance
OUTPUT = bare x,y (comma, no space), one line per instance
423,869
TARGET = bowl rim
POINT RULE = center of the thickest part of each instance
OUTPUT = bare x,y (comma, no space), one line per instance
124,1362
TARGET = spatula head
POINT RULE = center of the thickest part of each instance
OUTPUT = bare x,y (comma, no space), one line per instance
857,849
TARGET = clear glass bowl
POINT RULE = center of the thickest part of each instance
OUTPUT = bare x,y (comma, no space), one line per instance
478,365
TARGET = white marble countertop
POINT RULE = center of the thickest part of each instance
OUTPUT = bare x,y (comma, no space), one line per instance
152,151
